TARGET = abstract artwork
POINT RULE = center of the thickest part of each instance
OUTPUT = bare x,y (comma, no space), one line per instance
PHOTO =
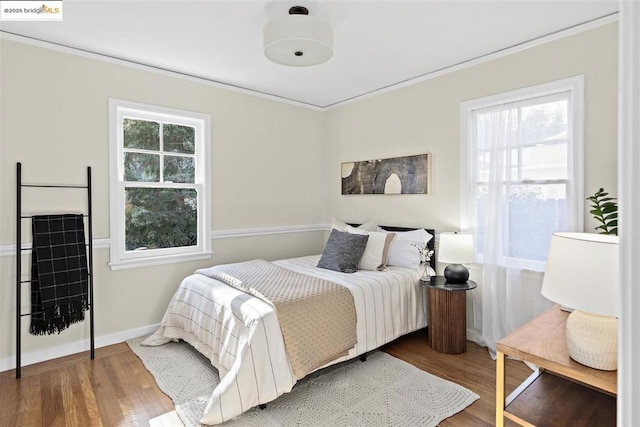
398,175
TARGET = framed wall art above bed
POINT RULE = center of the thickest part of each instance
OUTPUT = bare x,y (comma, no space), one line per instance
398,175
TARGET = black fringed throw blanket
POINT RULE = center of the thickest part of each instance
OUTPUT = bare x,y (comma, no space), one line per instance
59,276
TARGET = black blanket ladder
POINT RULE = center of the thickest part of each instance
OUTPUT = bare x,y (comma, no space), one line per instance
20,249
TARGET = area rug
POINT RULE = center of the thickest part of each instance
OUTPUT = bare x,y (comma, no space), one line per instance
383,391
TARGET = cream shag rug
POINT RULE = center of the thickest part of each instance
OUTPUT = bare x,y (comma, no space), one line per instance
383,391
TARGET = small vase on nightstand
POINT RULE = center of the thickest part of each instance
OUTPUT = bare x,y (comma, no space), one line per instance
426,274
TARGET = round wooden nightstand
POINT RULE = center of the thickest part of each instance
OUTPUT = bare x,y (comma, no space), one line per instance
447,317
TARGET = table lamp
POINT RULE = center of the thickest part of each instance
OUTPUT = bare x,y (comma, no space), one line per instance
456,249
582,274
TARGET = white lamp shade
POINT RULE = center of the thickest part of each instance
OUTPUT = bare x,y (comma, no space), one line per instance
298,40
582,272
456,248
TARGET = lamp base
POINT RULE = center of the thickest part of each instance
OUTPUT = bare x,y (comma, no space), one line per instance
456,273
593,340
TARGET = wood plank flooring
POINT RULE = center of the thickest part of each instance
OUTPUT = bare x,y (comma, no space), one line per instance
116,390
549,402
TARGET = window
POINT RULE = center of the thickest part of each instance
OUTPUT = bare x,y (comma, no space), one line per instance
522,166
159,185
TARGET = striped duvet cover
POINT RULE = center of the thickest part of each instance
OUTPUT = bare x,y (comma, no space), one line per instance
240,334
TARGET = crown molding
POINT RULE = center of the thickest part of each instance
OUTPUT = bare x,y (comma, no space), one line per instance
567,32
150,68
598,22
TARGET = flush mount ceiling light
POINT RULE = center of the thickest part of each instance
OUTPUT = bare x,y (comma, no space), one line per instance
298,39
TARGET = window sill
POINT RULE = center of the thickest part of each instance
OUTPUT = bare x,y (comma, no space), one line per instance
158,260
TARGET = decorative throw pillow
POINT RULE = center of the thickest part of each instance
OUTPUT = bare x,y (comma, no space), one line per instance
377,250
343,251
343,226
403,251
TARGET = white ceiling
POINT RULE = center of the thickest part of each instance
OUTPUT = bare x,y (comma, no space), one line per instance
377,43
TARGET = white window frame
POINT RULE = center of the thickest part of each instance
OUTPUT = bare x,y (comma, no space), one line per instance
120,258
575,180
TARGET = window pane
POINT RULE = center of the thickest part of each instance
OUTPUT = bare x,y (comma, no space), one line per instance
179,139
179,169
484,163
532,214
507,168
482,220
482,131
141,167
158,218
496,124
544,161
141,134
535,213
544,122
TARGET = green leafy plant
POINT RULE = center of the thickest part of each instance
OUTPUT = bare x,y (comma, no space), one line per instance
605,211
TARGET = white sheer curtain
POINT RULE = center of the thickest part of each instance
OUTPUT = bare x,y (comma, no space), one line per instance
511,207
508,295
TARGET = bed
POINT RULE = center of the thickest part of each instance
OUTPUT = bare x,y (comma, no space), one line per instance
241,335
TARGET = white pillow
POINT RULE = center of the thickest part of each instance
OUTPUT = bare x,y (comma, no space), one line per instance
403,251
377,250
342,226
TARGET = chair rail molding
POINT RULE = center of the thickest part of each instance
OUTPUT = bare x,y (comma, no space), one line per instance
105,242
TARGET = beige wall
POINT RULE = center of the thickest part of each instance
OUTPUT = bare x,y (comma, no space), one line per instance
54,119
425,117
265,168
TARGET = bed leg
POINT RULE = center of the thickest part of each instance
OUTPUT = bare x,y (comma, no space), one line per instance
363,357
262,406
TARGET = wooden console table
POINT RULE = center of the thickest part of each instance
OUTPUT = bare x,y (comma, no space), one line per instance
543,342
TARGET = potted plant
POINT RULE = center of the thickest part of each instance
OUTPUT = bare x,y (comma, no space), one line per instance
604,210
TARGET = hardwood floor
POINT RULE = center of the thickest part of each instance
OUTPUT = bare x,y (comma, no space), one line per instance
116,390
549,402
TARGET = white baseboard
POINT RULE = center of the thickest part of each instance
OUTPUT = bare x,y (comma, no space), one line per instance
49,353
102,341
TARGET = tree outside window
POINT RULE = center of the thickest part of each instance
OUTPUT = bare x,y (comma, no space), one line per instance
160,177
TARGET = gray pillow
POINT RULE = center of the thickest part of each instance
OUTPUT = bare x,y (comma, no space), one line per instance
343,251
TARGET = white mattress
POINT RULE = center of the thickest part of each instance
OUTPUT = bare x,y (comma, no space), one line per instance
241,335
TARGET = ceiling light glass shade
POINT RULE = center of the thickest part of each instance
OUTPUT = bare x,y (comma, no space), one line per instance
298,40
